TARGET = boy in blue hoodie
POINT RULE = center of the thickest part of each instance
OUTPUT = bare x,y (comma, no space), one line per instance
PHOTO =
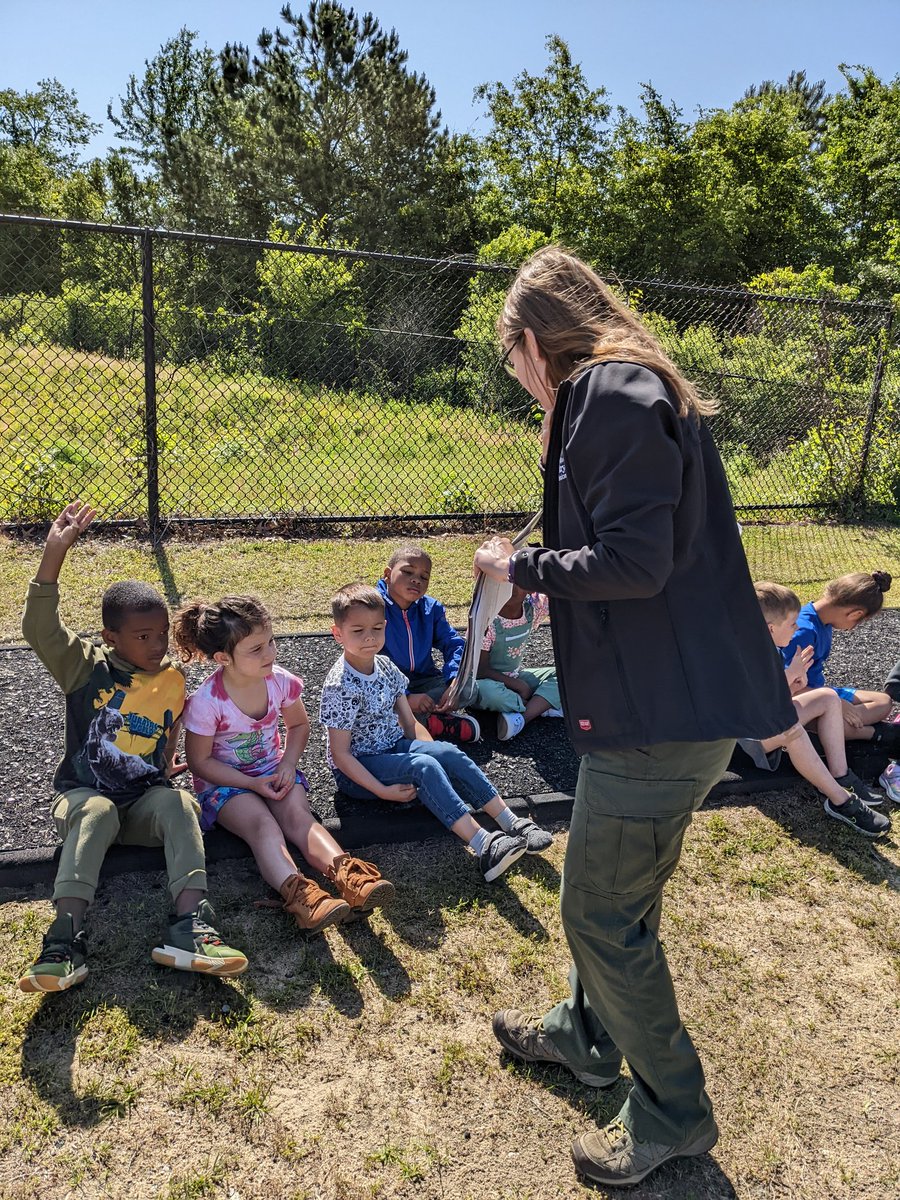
416,625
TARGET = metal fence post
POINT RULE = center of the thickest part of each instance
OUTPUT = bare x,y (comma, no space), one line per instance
152,442
858,503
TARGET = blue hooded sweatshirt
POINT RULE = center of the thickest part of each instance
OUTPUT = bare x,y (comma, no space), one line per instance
410,635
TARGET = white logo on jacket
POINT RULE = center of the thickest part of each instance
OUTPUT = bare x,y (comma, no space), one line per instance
562,468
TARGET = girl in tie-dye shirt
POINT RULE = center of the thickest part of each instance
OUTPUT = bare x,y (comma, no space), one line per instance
246,779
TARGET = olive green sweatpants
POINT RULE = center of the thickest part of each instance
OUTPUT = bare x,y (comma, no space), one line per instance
631,810
89,823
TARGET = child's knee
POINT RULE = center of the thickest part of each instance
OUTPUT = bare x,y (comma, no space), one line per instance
92,814
175,809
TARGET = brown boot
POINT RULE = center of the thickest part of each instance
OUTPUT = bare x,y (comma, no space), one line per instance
312,908
360,884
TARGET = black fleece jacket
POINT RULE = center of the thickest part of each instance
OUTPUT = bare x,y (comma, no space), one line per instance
657,632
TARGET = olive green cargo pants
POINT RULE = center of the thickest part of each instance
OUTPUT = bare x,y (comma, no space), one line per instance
631,810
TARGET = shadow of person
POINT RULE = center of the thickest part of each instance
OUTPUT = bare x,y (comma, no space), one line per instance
419,915
802,816
384,968
86,1033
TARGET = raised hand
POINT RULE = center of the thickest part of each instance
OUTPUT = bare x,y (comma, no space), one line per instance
61,536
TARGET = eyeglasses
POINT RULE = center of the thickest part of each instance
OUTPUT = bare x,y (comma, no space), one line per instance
505,361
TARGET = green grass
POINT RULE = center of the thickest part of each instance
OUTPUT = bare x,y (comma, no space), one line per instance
360,1065
247,444
297,578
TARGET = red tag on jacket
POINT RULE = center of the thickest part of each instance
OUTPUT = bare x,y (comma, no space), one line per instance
585,724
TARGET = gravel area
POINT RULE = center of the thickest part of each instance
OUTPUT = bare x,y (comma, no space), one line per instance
539,760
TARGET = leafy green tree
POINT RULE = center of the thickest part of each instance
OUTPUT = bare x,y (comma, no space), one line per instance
859,174
546,155
812,98
759,153
719,201
47,121
665,213
348,136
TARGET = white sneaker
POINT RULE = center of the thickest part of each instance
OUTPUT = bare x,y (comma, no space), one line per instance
552,712
890,781
508,725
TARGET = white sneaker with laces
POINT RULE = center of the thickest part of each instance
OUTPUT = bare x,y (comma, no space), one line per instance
509,724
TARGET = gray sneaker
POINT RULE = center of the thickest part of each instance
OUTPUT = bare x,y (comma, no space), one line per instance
859,816
499,854
536,839
613,1156
524,1038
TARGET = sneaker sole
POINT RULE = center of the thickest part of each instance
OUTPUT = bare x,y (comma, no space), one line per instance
513,1048
539,849
382,893
588,1169
504,864
52,983
875,833
188,960
508,736
336,916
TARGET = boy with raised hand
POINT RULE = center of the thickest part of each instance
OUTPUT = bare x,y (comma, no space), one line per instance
124,699
416,626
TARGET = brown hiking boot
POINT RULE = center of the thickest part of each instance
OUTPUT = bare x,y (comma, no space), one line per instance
312,908
360,884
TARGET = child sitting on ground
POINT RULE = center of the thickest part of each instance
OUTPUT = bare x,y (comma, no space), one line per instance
504,686
123,703
374,754
416,625
847,798
246,781
846,603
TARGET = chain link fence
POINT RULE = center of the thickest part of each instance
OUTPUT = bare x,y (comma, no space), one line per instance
176,377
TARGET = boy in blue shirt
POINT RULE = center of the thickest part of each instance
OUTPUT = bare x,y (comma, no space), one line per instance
416,625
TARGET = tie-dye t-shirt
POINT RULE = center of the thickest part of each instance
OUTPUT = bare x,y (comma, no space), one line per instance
249,745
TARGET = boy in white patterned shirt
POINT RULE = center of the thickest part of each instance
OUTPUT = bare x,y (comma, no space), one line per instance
373,751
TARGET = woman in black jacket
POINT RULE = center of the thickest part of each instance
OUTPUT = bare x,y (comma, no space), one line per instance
663,660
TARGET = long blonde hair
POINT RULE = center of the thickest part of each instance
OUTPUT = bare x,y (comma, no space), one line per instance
578,322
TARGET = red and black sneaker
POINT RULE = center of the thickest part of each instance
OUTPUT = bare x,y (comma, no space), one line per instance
453,727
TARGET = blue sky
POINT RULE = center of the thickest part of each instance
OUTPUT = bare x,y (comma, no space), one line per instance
699,53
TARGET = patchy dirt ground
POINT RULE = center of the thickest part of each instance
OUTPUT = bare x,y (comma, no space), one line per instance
539,760
361,1066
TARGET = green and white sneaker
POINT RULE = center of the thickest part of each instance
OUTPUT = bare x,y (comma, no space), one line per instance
61,962
192,944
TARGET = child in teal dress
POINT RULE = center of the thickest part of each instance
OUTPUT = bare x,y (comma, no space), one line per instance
517,695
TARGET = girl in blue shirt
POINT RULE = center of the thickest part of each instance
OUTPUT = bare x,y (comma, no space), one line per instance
844,604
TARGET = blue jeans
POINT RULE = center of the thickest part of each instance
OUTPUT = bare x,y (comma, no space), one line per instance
445,777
